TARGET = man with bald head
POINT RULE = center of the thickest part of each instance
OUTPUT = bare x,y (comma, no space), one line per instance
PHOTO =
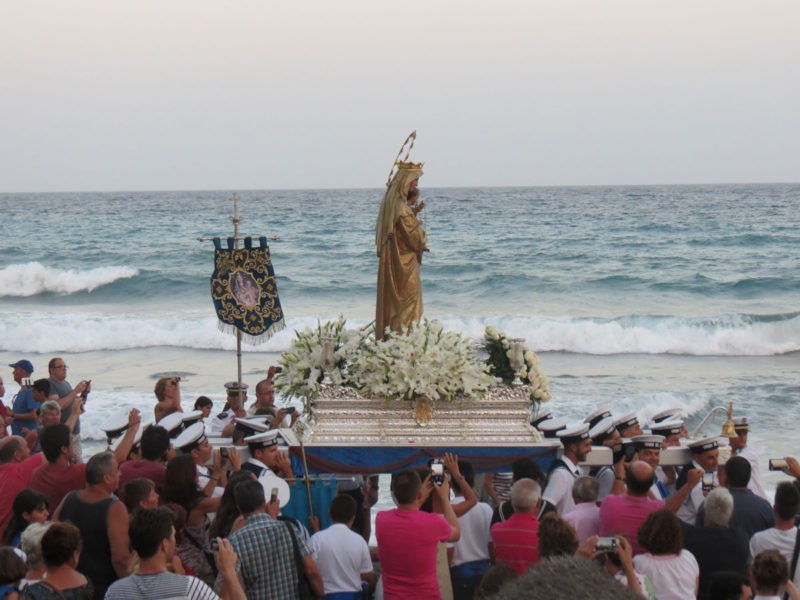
16,466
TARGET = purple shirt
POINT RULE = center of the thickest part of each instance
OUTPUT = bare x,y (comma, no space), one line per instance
585,518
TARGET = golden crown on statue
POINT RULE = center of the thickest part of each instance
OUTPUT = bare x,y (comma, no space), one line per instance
408,166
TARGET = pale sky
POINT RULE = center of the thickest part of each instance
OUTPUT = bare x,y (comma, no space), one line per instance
200,94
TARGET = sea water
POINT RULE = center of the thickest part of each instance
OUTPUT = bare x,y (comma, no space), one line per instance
640,298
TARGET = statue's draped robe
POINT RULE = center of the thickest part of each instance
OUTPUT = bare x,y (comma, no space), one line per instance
399,300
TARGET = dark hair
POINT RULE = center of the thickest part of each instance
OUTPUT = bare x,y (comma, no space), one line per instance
727,585
148,528
769,571
228,511
342,508
98,466
155,442
556,537
59,543
249,496
135,491
661,533
525,468
42,386
469,476
52,362
738,470
9,448
52,439
12,567
787,500
495,578
406,486
26,501
638,486
181,480
202,402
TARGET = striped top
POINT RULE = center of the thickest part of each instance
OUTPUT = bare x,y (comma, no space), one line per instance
160,586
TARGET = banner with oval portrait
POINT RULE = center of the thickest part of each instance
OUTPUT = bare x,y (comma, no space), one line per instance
244,290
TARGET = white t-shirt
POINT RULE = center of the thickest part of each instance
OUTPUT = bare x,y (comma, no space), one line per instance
475,537
341,555
674,577
756,482
559,487
782,540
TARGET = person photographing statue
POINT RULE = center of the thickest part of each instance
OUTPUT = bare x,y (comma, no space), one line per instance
400,241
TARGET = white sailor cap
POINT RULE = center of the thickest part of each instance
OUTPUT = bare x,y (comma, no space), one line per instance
741,424
173,423
137,439
252,426
628,420
666,428
116,426
602,430
648,441
597,416
709,443
667,415
190,438
551,427
262,440
191,418
576,433
543,415
233,387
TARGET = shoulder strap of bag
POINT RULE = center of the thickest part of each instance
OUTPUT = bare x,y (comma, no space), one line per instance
795,554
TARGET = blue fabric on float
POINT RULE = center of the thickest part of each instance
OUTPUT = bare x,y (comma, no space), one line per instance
369,460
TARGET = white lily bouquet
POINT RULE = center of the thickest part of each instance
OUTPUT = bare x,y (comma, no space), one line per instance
498,346
423,361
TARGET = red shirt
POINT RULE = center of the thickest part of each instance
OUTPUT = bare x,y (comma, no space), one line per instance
515,541
134,469
14,478
57,480
626,514
408,542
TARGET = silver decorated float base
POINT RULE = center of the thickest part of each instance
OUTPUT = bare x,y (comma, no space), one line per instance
342,417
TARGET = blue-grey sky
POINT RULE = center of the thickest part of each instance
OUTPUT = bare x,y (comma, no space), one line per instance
241,94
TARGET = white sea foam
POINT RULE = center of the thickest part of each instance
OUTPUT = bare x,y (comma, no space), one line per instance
33,278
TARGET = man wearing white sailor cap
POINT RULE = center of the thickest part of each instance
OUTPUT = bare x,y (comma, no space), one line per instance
222,424
705,455
551,427
648,449
265,457
671,432
193,441
577,446
628,426
597,416
605,434
741,448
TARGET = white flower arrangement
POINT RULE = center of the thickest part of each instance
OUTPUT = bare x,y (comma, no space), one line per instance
301,365
498,346
423,361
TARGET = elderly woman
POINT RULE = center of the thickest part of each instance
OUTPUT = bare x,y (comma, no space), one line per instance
31,545
61,550
672,570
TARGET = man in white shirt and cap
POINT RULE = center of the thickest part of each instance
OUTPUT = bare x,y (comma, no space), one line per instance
577,446
265,457
211,481
604,433
671,431
741,448
648,449
628,426
705,455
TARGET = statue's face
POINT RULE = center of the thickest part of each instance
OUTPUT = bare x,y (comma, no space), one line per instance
413,185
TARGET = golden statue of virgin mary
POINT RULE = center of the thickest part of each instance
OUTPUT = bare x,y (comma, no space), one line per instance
400,241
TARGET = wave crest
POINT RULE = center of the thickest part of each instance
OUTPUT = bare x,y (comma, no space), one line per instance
33,279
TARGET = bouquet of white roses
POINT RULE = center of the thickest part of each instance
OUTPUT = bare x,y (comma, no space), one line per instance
497,345
422,361
302,370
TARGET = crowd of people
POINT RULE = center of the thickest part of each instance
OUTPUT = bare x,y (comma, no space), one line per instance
162,514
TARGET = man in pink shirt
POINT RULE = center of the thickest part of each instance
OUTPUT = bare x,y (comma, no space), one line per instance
16,467
408,538
514,541
585,517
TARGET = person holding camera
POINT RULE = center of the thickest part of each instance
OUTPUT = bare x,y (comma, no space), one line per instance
408,538
24,407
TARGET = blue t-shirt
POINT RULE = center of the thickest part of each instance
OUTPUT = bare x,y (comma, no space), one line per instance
23,403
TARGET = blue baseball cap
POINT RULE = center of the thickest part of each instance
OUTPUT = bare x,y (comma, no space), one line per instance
25,365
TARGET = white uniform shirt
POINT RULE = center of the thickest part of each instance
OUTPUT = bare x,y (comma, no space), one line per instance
341,555
756,482
559,487
688,510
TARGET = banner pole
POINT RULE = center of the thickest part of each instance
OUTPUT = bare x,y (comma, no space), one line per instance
236,219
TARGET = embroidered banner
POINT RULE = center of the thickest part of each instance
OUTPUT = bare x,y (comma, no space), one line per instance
245,292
